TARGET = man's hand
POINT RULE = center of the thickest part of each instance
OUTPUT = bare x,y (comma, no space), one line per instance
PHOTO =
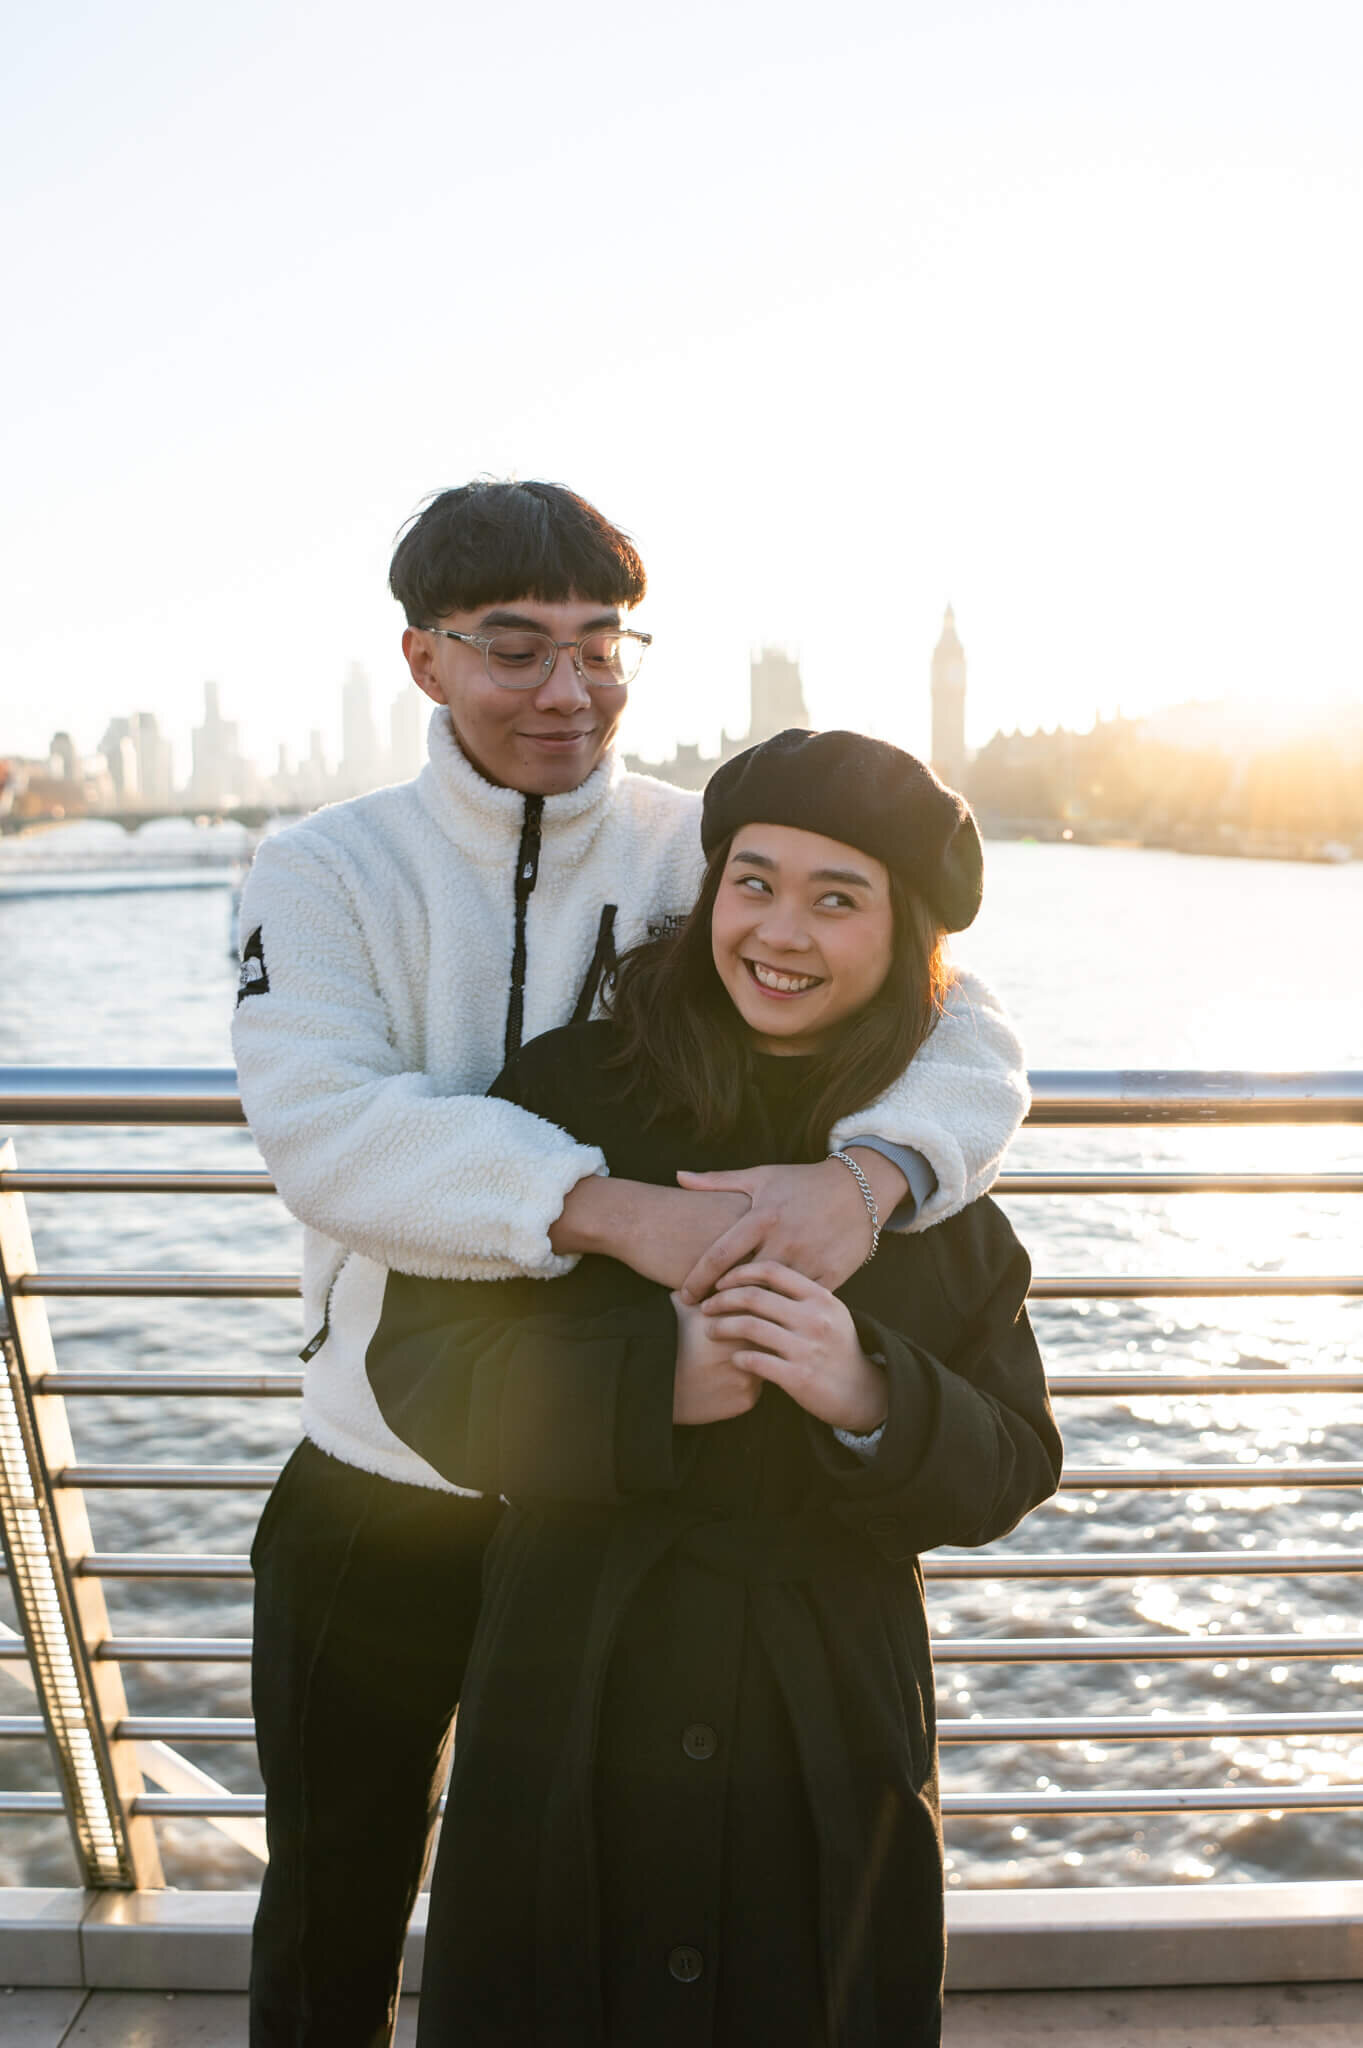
660,1232
812,1218
789,1330
709,1386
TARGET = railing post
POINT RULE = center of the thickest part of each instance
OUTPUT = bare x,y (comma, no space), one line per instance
46,1530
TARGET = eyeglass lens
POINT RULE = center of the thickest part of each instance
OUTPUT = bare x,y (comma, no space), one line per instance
520,661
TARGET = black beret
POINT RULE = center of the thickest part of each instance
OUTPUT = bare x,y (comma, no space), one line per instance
866,793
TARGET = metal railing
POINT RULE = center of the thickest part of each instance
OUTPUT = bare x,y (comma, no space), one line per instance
45,1485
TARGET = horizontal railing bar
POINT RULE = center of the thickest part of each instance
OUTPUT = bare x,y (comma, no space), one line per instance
208,1095
1072,1385
1142,1564
150,1649
1177,1287
1060,1564
1086,1478
141,1728
1210,1799
1183,1286
1076,1479
1045,1286
152,1564
178,1478
1017,1728
1149,1727
1190,1096
1014,1729
42,1181
243,1385
31,1802
174,1650
185,1728
119,1095
1083,1648
1117,1385
959,1805
1076,1649
1141,1183
198,1806
144,1286
132,1181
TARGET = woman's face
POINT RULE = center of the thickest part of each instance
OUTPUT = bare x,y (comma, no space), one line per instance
802,931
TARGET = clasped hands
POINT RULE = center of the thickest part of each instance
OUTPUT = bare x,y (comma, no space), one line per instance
742,1325
766,1322
751,1258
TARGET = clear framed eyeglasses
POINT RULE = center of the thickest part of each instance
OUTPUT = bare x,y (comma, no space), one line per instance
518,659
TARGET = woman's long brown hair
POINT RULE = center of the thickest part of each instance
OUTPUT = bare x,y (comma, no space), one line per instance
687,1051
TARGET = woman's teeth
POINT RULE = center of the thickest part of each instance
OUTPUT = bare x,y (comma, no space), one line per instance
783,984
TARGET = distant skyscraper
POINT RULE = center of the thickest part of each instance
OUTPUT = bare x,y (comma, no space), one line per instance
407,729
361,762
65,762
120,759
776,700
313,774
948,705
153,758
776,695
218,773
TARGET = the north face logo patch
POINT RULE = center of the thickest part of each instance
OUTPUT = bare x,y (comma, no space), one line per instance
253,980
667,926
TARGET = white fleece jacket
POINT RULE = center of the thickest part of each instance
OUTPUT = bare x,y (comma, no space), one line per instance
378,956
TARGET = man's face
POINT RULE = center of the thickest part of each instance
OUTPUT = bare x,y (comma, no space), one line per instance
541,741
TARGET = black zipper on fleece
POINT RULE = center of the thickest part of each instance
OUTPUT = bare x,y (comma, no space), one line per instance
527,874
601,968
319,1337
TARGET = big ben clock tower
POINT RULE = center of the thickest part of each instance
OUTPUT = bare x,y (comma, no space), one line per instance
948,705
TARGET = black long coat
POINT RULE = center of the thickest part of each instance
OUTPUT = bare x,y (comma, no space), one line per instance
695,1792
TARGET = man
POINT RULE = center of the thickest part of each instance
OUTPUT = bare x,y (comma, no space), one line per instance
396,949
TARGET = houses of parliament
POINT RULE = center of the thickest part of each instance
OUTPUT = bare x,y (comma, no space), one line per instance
776,699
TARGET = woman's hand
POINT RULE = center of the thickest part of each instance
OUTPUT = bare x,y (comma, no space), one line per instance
709,1386
789,1330
811,1218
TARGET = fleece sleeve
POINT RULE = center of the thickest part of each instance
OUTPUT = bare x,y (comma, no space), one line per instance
362,1148
958,1102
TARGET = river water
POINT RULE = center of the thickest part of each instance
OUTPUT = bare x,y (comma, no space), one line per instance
1107,958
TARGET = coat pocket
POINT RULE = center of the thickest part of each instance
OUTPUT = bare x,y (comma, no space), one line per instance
270,1513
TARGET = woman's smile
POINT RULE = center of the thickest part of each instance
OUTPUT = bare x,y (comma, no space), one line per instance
774,982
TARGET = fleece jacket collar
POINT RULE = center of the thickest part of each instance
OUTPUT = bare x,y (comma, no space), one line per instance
484,822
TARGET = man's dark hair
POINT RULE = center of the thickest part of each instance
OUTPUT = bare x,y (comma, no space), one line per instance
488,542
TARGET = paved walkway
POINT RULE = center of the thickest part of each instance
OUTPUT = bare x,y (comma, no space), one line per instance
1247,2016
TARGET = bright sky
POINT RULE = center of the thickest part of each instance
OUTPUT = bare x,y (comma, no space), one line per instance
1049,308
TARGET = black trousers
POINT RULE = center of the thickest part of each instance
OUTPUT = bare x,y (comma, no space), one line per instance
366,1601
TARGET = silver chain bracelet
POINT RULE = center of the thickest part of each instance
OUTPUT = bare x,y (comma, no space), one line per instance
867,1197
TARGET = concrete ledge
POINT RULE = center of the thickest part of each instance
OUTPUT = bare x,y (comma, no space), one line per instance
40,1937
168,1941
1070,1939
181,1941
1155,1934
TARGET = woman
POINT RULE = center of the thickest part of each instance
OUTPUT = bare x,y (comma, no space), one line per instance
694,1799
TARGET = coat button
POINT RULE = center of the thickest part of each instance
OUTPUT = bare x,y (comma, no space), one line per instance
700,1741
686,1964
